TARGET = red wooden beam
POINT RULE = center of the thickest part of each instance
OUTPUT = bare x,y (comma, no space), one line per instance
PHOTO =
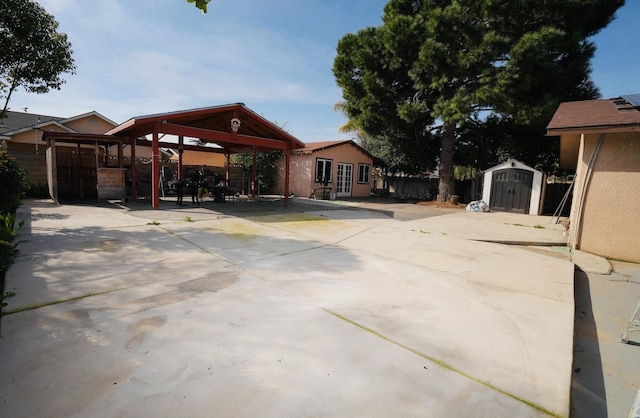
155,171
223,137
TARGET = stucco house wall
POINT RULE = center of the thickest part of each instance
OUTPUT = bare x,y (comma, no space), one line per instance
89,123
303,168
608,195
601,140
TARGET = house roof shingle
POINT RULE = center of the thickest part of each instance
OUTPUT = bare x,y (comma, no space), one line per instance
595,116
312,147
15,121
317,146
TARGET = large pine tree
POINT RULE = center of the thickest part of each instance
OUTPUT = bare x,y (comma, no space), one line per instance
434,65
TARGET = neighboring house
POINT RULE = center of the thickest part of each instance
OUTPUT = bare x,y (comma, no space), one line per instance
90,156
76,162
514,187
600,139
21,134
330,169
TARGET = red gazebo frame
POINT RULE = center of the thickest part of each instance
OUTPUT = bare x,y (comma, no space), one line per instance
209,125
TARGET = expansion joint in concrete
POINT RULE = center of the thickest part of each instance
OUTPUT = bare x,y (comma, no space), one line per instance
442,364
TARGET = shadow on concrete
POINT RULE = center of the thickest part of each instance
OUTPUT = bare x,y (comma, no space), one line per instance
273,205
248,209
588,394
64,263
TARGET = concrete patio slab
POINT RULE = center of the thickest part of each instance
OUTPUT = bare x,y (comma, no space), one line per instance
309,310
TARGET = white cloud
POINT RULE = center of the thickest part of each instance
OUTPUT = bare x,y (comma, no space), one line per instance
151,56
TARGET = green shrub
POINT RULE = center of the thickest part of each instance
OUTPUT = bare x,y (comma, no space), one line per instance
13,183
38,191
8,249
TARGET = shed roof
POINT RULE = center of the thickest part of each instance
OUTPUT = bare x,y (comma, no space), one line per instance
511,163
595,116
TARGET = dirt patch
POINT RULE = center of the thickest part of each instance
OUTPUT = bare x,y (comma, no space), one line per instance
438,204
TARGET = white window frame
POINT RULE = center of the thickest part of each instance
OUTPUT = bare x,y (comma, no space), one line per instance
367,174
324,162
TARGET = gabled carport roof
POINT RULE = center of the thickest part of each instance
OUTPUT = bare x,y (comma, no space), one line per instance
213,125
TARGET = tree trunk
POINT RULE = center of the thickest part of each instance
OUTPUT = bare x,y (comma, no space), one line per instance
446,183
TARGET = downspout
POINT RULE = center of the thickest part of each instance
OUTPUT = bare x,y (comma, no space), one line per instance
583,190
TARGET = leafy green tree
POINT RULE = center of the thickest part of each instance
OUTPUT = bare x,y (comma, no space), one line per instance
400,150
200,4
266,168
494,140
13,184
33,54
434,66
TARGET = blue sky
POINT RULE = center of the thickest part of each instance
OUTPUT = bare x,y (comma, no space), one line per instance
149,56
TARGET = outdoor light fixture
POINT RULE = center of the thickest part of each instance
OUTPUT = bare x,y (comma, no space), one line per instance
235,124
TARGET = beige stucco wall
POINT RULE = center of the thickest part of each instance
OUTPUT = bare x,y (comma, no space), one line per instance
303,166
606,221
301,175
210,159
90,124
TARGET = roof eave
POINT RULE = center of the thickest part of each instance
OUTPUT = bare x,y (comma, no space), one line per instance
577,130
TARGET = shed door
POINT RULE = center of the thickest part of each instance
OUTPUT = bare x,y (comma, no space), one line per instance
511,190
344,179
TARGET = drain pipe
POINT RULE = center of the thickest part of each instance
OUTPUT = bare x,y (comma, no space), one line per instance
585,186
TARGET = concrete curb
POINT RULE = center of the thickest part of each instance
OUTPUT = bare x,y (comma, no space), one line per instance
590,263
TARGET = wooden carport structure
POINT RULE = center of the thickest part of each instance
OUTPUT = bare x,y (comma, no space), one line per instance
54,137
100,140
233,128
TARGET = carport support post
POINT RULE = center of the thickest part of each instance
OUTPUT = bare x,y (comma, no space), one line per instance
227,173
79,165
287,165
52,169
134,174
96,152
180,150
120,154
155,170
253,174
